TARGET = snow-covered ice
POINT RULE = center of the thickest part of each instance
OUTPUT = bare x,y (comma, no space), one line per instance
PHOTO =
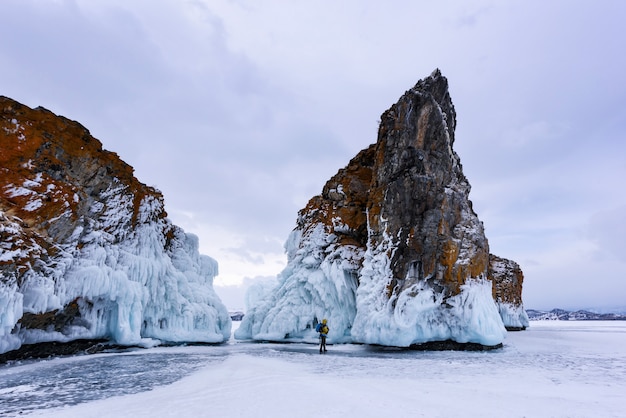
554,369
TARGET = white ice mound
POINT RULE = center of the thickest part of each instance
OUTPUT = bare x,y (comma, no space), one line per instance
513,316
130,285
10,313
319,282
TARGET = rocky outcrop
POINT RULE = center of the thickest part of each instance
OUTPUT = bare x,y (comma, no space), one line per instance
86,250
392,251
507,278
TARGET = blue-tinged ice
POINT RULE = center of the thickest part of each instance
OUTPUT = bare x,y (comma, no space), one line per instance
319,282
419,313
513,316
348,286
133,285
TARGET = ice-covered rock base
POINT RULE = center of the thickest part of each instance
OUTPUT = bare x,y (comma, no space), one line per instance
86,250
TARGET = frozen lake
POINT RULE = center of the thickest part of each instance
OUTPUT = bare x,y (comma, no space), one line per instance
554,369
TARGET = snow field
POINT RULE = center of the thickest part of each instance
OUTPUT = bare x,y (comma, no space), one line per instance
554,369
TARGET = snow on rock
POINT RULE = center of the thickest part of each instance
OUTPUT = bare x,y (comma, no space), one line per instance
86,250
391,252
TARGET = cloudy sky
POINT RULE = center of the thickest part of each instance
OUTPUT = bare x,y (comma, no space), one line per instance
240,110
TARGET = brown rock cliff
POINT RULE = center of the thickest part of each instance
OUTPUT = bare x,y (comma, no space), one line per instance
86,250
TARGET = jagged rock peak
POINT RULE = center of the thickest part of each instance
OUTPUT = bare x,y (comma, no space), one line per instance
437,87
87,250
391,251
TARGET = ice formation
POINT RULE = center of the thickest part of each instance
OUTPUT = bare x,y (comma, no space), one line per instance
129,286
87,251
324,280
421,313
319,282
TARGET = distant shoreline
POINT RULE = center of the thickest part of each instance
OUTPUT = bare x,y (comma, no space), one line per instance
579,315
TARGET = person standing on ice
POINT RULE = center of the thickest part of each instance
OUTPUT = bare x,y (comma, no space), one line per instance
322,328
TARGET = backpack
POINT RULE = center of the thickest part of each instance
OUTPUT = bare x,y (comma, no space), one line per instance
321,328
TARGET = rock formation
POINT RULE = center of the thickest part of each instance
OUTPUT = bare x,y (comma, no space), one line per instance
507,278
392,252
86,250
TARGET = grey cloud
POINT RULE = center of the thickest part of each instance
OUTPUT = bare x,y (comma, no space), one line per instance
240,112
608,230
246,255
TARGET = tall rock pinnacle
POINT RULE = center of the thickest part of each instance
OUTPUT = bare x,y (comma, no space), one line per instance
392,251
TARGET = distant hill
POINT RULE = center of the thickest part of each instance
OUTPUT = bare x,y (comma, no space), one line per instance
581,315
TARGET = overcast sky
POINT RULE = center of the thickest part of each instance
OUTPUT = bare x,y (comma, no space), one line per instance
240,110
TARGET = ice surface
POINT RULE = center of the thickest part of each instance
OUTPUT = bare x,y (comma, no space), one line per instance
555,369
131,284
62,382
